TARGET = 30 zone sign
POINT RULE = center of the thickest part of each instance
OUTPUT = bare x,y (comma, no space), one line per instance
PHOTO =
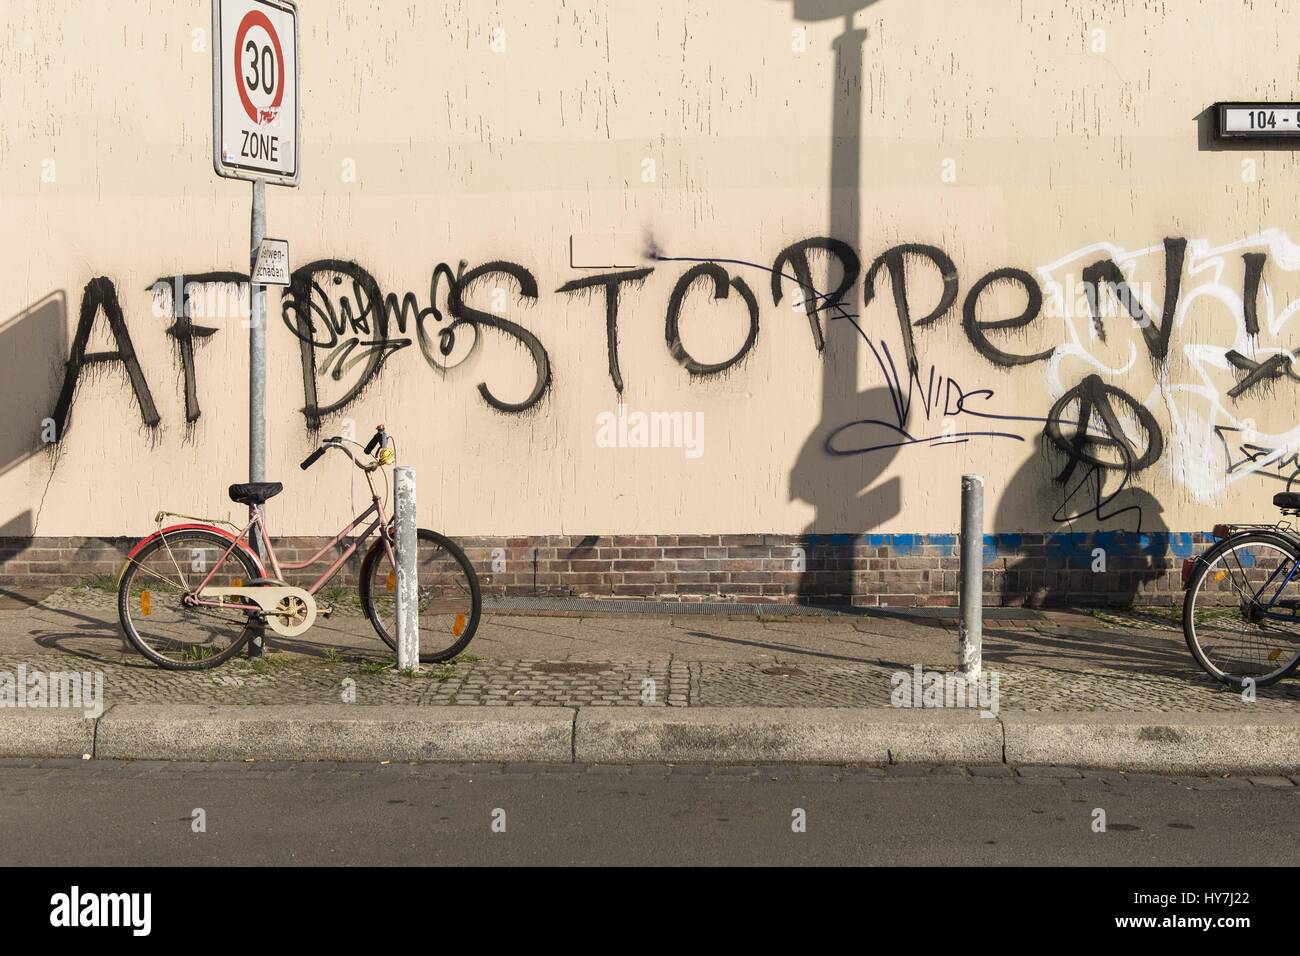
255,90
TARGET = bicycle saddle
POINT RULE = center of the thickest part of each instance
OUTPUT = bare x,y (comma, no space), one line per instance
1287,499
255,492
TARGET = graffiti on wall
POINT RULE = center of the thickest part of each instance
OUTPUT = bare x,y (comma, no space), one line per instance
1116,321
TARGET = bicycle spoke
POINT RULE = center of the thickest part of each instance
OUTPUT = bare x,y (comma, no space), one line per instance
156,616
447,598
179,573
154,574
1256,636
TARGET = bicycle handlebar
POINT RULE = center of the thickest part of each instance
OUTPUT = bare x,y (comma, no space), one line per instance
312,458
379,440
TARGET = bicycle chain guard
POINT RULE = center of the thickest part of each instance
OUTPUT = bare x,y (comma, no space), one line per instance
289,611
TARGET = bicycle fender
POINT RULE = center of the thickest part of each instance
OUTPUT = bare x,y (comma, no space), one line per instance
222,532
1190,565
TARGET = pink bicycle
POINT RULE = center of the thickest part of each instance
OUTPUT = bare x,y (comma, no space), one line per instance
191,595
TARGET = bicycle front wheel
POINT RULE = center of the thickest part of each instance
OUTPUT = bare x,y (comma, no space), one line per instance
151,600
450,602
1241,613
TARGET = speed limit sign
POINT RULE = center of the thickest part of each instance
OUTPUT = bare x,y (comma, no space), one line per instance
255,90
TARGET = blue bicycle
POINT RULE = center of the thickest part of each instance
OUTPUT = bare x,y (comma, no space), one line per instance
1241,611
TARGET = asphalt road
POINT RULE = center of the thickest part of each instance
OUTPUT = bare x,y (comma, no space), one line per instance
106,813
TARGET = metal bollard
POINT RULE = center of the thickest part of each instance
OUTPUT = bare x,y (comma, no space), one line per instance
970,633
408,585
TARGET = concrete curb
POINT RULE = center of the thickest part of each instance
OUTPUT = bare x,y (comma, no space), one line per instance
335,732
26,732
1167,743
1160,742
763,734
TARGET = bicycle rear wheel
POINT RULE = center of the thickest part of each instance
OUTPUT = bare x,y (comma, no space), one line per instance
450,602
1241,613
156,619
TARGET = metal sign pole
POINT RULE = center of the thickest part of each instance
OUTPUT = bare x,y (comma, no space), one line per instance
256,136
257,346
257,372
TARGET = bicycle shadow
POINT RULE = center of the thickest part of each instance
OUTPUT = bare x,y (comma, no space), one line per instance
59,641
1093,648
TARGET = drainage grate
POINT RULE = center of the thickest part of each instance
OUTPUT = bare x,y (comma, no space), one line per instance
569,667
783,670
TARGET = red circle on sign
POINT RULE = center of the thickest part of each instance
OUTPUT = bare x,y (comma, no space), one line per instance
256,18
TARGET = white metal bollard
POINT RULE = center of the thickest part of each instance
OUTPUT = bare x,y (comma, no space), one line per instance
408,585
970,633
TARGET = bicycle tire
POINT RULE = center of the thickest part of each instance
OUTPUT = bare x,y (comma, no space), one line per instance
376,557
1206,565
127,619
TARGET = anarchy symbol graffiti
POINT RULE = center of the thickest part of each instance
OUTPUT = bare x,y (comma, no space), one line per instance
1110,429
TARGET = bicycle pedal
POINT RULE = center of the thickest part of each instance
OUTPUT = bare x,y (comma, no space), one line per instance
324,610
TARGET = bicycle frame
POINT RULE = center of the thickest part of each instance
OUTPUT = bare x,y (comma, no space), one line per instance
1292,568
1293,606
258,521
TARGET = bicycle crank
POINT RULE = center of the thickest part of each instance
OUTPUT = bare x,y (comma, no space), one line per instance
289,611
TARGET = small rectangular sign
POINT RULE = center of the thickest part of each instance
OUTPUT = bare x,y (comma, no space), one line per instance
255,131
1257,120
272,266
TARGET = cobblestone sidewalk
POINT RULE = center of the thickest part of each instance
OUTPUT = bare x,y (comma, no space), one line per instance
1111,661
282,678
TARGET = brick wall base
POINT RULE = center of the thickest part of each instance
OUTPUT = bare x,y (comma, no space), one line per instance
1113,568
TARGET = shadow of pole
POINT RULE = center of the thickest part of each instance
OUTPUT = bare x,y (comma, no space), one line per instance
842,489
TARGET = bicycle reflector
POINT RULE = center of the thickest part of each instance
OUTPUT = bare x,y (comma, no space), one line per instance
1221,531
459,625
1189,565
391,583
146,603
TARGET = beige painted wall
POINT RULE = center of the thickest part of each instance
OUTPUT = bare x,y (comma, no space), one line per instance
1005,133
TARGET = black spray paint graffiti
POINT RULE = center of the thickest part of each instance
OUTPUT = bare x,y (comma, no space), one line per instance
1106,273
1260,459
186,333
1103,404
1107,431
722,282
797,256
347,326
528,289
101,295
611,283
1258,374
360,331
895,262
